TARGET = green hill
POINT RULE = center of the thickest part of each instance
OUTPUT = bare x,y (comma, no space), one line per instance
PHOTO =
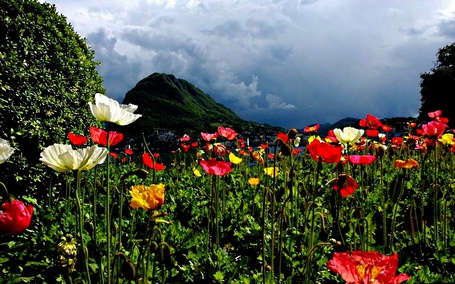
171,104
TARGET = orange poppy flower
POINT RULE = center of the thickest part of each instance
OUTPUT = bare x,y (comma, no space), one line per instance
313,128
408,164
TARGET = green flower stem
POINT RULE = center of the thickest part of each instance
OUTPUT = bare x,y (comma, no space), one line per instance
80,212
108,214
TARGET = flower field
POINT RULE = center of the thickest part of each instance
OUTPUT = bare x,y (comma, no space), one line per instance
358,205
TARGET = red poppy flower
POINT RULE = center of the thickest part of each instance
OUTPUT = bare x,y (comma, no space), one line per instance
310,129
15,217
420,132
149,162
434,128
345,184
372,132
296,151
265,145
227,132
194,145
325,152
77,140
282,136
185,138
331,137
129,152
271,156
386,128
113,155
397,141
412,124
371,122
214,167
361,159
358,267
156,155
219,150
99,136
185,147
435,114
209,136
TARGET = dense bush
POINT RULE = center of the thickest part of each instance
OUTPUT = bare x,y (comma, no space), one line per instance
47,76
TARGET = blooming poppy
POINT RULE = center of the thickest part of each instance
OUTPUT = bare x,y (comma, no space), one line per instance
214,167
361,159
147,197
434,128
371,122
15,217
129,152
254,181
219,149
412,124
408,164
345,184
113,155
397,141
324,152
5,150
372,132
282,136
149,162
435,114
313,128
296,151
209,136
77,140
196,172
109,110
257,156
271,156
271,171
331,137
227,132
234,159
386,128
99,136
185,138
185,147
348,135
63,158
358,267
194,145
447,139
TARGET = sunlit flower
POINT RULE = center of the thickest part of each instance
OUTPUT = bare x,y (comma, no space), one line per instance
324,152
113,155
185,147
99,136
129,152
297,141
196,172
254,181
310,129
214,167
219,149
149,162
435,114
258,156
234,159
372,132
5,150
227,132
361,159
271,171
408,164
397,141
77,140
15,217
296,151
447,139
386,128
312,138
361,267
371,122
109,110
348,135
434,128
282,136
62,158
209,136
147,197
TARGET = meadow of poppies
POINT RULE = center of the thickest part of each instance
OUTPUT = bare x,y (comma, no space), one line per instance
357,205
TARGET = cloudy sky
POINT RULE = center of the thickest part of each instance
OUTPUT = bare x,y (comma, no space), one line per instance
288,63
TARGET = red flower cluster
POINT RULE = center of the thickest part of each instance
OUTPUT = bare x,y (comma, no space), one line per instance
324,152
149,162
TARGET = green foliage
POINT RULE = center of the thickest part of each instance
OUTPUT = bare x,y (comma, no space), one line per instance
438,86
47,76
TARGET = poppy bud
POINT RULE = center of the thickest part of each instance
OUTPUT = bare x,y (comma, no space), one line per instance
292,133
15,217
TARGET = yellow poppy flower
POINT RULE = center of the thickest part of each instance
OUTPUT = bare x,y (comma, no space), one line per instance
234,159
147,197
447,139
254,181
271,171
197,172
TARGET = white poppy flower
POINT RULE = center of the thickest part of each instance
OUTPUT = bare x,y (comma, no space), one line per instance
348,135
5,150
109,110
62,158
